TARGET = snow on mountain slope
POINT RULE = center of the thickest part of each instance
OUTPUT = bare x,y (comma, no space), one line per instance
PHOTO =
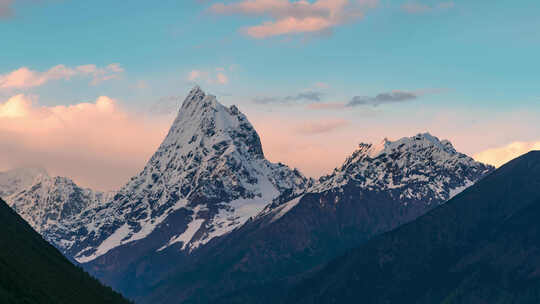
418,168
50,204
18,179
211,164
376,190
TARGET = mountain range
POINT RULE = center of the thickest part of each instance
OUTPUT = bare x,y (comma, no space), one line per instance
34,272
210,219
377,189
480,247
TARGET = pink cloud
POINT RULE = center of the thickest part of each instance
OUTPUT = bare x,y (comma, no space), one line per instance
295,17
321,85
5,8
501,155
26,78
222,78
216,76
98,143
288,25
194,75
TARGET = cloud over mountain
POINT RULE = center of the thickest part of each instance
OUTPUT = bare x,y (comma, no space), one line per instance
81,141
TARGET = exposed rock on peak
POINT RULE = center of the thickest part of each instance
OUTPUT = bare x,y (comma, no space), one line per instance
377,189
210,166
417,166
15,180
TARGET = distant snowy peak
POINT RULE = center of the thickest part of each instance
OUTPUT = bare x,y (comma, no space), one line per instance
415,143
415,167
18,179
211,165
53,204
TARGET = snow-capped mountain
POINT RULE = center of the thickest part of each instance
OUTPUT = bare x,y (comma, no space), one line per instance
49,204
209,203
378,188
208,177
18,179
414,169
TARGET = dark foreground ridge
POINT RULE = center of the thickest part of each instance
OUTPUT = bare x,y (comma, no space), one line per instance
34,272
483,246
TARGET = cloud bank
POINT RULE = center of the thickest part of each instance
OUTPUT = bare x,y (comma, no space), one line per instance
501,155
98,143
295,17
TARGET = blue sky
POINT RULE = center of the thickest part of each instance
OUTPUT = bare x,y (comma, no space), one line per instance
472,66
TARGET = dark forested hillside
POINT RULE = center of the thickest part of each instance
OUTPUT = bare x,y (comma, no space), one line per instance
34,272
481,247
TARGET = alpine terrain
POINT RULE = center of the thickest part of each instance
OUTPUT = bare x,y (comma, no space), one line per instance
209,219
377,189
480,247
51,205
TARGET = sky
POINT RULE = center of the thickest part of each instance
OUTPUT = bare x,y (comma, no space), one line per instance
88,89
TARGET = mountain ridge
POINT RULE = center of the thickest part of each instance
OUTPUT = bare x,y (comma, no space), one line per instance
477,248
283,243
208,192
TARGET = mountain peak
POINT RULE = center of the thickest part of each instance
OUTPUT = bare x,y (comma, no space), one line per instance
197,98
414,143
14,180
196,91
210,171
429,164
203,122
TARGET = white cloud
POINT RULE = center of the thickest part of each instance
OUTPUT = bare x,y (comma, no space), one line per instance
26,78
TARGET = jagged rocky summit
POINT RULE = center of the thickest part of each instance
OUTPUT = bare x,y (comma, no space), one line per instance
207,178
